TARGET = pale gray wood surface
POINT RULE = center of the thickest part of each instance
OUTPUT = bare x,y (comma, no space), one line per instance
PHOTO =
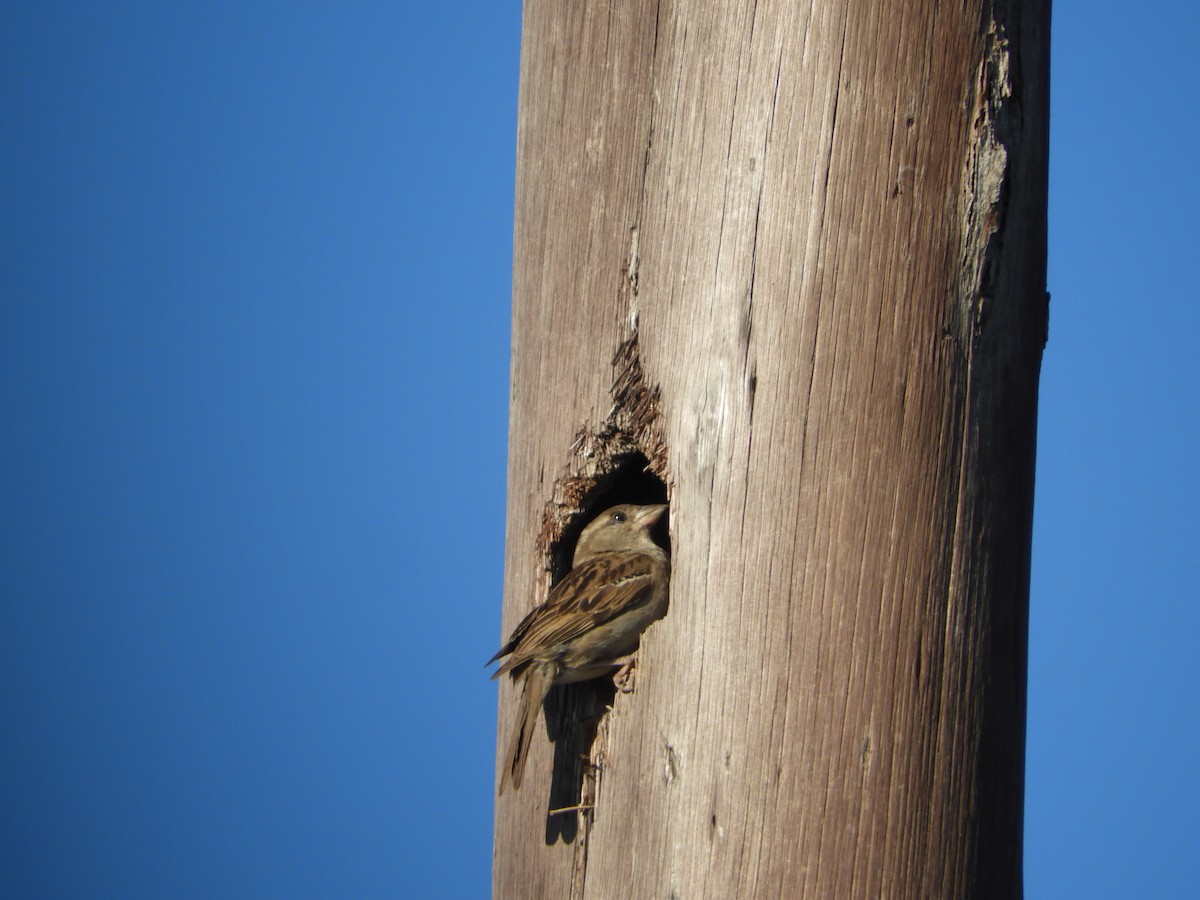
825,226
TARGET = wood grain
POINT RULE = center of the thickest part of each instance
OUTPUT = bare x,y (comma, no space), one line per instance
824,224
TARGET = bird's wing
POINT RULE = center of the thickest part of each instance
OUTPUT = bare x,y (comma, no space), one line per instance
591,594
518,632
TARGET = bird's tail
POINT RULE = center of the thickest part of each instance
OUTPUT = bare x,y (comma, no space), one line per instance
538,678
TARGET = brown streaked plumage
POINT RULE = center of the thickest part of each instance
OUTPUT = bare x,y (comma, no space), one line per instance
593,619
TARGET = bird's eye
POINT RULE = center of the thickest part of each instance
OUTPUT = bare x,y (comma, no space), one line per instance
619,517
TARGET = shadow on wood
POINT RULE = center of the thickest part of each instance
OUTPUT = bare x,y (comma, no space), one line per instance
573,713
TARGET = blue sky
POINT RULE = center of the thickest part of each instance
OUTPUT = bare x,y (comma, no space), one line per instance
255,267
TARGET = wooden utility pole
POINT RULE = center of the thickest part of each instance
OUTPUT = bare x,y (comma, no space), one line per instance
782,264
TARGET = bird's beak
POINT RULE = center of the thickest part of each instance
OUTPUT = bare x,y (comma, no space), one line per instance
648,515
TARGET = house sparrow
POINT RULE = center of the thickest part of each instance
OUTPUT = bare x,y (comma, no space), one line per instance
594,618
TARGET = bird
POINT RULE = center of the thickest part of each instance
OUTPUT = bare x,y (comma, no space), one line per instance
592,621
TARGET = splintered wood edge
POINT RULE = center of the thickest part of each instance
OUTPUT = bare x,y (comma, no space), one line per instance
633,426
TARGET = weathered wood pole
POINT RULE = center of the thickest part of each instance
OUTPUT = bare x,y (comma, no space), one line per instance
789,258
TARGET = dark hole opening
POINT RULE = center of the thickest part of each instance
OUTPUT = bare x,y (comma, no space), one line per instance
629,482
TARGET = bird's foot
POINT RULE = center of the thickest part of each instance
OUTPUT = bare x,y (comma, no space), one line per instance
623,677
